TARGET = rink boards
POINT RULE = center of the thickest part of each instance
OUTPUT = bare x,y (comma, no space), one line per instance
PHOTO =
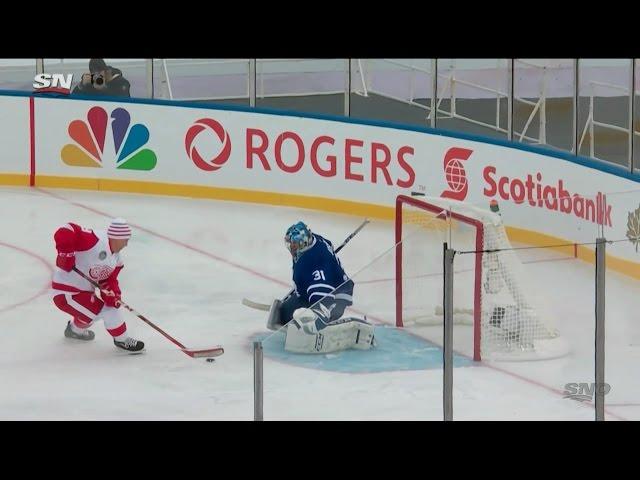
313,161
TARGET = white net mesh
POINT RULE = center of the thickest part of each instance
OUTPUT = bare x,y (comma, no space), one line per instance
492,294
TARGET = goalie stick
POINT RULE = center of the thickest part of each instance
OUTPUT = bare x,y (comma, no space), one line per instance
209,352
266,308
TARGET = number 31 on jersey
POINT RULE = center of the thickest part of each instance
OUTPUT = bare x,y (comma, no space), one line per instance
318,275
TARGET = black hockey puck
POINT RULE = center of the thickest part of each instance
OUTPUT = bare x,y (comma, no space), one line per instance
211,360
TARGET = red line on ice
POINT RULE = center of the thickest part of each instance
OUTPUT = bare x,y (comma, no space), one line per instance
43,290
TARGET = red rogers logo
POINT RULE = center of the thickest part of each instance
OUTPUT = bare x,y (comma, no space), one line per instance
455,174
353,159
210,125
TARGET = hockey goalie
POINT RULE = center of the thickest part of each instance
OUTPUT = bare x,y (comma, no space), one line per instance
312,314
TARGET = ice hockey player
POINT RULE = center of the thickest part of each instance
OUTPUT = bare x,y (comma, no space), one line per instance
97,255
313,312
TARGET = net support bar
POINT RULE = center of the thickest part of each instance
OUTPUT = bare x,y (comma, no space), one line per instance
258,383
447,351
600,314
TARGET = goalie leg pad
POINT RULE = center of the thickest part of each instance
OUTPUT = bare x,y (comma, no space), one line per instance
312,320
345,333
305,318
365,338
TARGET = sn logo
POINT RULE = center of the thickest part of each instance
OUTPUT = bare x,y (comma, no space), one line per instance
53,81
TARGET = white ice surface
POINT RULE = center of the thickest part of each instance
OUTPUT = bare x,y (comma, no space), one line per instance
187,268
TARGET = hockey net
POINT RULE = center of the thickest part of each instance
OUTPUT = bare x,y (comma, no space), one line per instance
491,294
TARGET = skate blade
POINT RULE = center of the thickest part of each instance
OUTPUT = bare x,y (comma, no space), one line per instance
79,340
127,352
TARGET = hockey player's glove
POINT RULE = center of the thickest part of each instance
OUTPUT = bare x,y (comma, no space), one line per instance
66,261
110,290
110,298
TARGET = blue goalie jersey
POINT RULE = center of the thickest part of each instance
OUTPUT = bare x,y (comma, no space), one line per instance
318,273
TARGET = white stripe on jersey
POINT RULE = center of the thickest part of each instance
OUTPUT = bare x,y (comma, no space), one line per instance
320,285
77,306
323,295
344,296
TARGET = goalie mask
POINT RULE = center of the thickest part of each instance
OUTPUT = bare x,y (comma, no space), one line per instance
298,239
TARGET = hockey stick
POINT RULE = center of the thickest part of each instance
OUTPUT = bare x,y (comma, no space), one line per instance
266,308
256,305
210,352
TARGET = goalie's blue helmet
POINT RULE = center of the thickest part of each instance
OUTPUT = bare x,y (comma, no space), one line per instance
298,238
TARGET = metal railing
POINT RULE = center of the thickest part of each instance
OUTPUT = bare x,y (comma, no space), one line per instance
451,84
448,92
167,90
591,122
539,106
365,74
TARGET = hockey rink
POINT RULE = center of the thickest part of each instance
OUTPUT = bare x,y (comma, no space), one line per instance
188,265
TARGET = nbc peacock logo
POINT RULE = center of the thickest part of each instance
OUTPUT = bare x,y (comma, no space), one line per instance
90,139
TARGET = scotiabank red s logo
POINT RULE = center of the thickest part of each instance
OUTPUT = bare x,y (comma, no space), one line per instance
455,174
222,151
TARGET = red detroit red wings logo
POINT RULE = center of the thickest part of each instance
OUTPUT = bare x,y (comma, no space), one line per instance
455,174
100,272
207,125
